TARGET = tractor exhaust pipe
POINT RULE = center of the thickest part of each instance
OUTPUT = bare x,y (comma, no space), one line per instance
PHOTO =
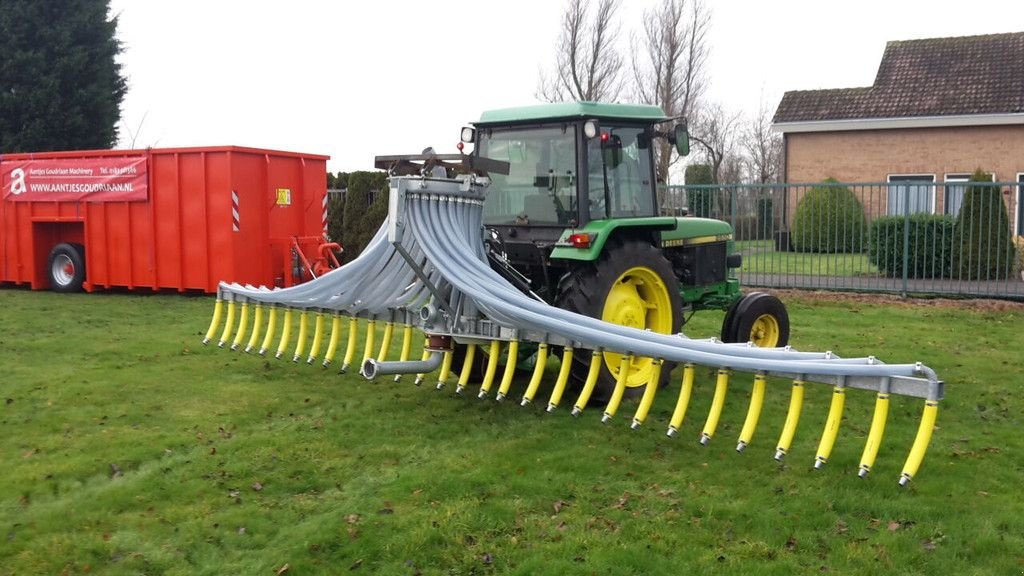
373,368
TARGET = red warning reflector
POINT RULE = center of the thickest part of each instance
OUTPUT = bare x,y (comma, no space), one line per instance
580,240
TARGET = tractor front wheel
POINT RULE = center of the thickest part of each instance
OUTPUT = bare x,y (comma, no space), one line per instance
759,318
631,284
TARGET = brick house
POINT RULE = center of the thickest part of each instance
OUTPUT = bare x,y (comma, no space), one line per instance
939,109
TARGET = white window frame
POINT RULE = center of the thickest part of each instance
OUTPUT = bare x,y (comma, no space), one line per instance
890,178
957,178
1020,196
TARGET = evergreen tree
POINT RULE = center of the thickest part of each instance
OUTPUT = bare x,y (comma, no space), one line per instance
366,206
60,86
984,248
700,200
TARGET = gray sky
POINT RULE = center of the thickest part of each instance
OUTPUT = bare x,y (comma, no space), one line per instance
356,79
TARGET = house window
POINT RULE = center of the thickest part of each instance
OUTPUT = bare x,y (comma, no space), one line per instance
911,194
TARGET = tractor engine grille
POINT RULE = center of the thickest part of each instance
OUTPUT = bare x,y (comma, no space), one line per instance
700,264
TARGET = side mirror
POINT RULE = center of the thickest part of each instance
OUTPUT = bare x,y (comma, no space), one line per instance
681,138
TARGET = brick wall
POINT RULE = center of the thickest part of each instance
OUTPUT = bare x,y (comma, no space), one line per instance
874,155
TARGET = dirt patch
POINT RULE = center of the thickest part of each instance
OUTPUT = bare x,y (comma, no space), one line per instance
975,304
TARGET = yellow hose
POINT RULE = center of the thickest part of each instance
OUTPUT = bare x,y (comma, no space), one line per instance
538,373
371,334
717,403
828,437
421,375
406,347
649,391
385,342
268,339
620,388
753,412
350,346
243,326
229,325
467,368
588,386
446,369
332,344
300,342
492,368
218,311
510,370
867,459
318,338
796,404
685,391
563,379
286,332
924,436
257,326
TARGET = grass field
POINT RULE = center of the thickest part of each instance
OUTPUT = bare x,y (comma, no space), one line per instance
128,448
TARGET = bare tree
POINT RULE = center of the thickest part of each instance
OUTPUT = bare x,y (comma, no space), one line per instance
670,68
763,147
717,132
587,65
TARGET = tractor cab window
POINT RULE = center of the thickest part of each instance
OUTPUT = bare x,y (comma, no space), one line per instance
540,188
620,173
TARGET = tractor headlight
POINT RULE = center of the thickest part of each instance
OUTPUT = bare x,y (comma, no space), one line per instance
468,135
591,128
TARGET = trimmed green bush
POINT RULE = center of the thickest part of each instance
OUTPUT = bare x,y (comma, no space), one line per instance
930,245
699,200
829,219
366,207
984,247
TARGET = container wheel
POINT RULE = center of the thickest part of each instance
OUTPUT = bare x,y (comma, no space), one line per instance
759,318
66,267
631,284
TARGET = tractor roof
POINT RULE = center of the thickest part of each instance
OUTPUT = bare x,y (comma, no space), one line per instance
573,111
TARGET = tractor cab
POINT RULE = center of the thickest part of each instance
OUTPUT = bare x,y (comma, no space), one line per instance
570,165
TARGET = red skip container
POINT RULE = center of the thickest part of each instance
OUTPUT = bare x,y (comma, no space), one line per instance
174,218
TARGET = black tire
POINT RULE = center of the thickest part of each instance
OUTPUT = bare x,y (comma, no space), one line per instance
66,267
585,288
759,318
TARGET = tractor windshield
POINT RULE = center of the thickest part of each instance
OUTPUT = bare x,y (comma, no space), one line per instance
540,187
620,173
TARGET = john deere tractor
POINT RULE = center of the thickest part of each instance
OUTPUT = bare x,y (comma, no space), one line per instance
576,222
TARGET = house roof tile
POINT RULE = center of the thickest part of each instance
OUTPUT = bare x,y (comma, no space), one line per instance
959,76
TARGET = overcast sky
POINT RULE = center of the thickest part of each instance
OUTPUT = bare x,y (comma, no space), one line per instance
356,79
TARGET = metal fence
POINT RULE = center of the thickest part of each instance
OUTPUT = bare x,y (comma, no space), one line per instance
909,236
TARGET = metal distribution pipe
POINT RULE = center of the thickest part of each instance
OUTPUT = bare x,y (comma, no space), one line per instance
373,367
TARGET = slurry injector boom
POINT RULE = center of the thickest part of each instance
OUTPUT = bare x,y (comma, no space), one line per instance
429,269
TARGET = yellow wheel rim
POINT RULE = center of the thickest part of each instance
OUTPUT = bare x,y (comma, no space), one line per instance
638,299
765,331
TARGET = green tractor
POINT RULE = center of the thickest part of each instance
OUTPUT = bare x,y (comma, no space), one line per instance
576,223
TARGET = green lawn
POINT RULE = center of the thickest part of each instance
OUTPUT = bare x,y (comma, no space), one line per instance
760,257
129,448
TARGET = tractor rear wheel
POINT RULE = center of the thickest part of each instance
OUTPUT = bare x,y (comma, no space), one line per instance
631,284
65,267
759,318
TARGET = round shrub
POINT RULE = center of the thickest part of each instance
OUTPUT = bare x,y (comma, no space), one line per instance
829,219
923,241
